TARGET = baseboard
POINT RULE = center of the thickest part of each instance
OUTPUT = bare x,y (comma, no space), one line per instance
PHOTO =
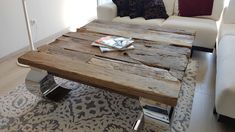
44,41
51,38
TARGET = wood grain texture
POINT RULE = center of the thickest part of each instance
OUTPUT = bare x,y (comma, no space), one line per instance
138,69
66,67
146,52
153,70
147,27
135,31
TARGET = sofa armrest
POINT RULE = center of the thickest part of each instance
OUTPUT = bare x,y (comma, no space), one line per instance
225,85
227,26
106,12
229,13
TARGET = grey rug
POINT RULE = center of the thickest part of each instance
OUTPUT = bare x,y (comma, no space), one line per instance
88,109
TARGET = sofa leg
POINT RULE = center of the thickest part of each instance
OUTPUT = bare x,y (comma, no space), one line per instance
214,111
202,49
222,118
219,117
191,53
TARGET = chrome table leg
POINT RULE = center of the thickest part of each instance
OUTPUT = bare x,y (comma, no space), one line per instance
155,111
40,83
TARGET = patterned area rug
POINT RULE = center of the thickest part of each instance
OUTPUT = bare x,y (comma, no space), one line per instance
88,109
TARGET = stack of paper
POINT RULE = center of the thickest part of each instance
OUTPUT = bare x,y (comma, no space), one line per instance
113,43
156,110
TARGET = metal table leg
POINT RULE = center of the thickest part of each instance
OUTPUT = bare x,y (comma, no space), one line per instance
40,83
154,110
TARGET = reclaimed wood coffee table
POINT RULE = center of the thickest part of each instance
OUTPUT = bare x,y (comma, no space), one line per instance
153,70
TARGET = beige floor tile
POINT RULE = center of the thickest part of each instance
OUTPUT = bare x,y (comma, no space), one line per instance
11,75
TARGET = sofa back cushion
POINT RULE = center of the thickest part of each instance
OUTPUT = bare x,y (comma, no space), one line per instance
154,9
229,13
169,5
136,8
122,7
191,8
216,11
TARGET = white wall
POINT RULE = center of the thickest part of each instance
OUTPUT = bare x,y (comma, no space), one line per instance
52,16
13,36
12,27
49,17
226,2
100,2
78,13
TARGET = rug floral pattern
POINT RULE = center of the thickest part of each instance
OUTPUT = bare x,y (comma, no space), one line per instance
88,109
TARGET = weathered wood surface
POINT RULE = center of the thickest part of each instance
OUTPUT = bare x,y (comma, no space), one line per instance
152,70
139,32
150,53
141,70
66,67
147,27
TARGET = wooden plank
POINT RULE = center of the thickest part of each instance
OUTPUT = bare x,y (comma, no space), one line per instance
173,38
85,35
165,47
159,56
155,59
74,55
147,27
159,90
138,69
148,54
177,73
83,56
84,46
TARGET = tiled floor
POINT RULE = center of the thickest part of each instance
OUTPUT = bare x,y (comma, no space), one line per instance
11,75
202,119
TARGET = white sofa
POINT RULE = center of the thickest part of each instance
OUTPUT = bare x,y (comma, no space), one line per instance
205,26
225,71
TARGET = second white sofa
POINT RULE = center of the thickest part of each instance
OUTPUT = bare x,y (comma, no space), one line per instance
225,72
204,26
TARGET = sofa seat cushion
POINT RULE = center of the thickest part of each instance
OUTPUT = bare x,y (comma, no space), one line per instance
206,29
139,21
227,29
225,81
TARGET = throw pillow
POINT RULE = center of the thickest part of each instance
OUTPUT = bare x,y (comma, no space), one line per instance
122,7
154,9
190,8
136,8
